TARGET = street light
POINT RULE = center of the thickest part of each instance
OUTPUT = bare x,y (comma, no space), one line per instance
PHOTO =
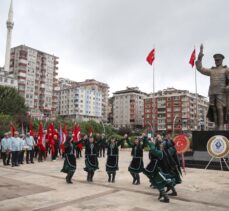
174,120
104,131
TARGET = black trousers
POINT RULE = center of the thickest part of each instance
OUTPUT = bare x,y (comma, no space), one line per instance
21,157
56,148
41,155
35,151
29,156
79,155
102,151
15,156
6,158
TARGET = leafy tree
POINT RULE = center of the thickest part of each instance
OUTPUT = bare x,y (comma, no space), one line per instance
5,121
11,102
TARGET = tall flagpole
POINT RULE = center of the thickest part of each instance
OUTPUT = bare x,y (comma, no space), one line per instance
150,59
192,62
153,79
196,120
154,100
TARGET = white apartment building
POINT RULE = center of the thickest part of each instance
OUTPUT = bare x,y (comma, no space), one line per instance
128,107
83,100
36,73
6,79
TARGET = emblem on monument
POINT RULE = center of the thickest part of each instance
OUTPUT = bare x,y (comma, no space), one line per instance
218,146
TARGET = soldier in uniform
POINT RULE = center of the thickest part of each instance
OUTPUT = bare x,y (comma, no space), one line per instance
102,146
219,76
5,149
136,165
30,142
112,158
15,149
22,149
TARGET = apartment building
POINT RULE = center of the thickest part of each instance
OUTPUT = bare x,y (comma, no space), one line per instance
36,73
87,100
176,110
6,79
128,107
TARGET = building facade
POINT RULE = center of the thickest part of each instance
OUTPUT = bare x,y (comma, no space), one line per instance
36,73
110,110
128,107
176,110
6,79
87,100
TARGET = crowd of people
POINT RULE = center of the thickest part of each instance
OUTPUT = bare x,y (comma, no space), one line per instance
163,169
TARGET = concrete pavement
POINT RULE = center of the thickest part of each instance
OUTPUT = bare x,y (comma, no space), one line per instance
41,186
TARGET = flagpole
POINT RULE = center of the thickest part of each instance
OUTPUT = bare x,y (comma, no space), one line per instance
196,95
153,79
154,100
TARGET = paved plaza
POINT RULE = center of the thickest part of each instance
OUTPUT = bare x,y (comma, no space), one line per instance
42,187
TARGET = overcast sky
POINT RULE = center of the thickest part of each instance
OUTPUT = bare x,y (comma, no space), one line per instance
108,40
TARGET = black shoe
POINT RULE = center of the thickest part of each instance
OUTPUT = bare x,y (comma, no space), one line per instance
88,177
66,178
134,180
165,200
168,189
91,178
109,178
173,193
163,197
137,183
137,180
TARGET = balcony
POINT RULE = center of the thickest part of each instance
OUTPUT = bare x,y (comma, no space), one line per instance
22,75
21,58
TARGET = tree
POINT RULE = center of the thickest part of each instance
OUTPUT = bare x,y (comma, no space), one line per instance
11,102
5,121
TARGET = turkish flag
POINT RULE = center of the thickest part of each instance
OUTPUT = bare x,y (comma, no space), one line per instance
193,58
31,131
40,138
150,58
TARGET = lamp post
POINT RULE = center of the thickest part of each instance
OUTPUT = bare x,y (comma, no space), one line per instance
174,120
104,131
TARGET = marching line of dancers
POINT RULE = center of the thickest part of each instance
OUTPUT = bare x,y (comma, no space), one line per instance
163,170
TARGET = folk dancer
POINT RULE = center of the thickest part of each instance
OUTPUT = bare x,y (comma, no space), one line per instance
170,164
112,158
69,166
91,157
153,172
136,165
